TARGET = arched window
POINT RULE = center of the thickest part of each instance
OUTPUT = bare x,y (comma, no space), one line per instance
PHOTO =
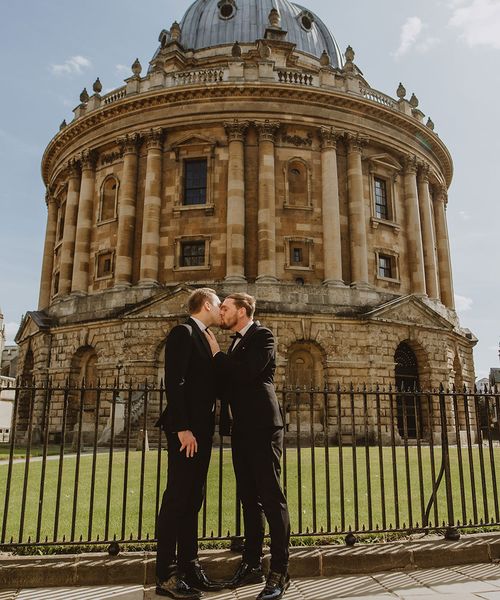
409,413
109,192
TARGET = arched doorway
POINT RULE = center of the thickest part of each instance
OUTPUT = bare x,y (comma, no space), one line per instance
305,374
409,412
26,394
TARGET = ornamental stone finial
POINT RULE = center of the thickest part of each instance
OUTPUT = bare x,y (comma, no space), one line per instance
430,124
84,96
63,125
136,68
97,87
401,91
274,18
413,101
175,32
324,60
349,54
236,50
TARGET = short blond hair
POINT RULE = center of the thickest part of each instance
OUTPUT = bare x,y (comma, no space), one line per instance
198,298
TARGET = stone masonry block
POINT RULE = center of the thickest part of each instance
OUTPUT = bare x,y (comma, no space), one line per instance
361,559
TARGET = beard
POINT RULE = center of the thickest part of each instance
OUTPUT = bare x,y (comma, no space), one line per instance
230,322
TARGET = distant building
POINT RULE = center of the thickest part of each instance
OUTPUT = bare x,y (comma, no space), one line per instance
8,362
252,155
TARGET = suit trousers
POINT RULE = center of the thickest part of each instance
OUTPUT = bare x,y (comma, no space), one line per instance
256,461
177,525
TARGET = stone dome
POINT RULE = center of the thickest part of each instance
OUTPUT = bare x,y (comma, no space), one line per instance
208,23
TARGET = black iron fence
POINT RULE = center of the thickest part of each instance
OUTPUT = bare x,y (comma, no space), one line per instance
87,465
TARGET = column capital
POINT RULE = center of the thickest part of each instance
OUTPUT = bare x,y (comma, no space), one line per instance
424,172
88,158
154,138
355,141
73,168
49,197
410,164
129,143
441,193
329,138
236,130
267,130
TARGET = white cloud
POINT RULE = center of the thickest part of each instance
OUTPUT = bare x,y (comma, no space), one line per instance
123,69
74,65
462,303
410,32
10,332
478,22
426,44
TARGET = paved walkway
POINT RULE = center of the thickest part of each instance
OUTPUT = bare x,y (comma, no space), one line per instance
461,582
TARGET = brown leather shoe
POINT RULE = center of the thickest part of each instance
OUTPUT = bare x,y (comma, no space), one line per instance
176,588
276,586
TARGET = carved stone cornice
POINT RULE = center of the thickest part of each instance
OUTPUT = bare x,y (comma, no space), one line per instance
236,130
356,142
267,130
129,143
424,172
88,158
154,138
410,164
329,138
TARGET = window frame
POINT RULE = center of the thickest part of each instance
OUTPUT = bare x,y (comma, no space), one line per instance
98,256
305,243
394,258
286,168
185,239
100,220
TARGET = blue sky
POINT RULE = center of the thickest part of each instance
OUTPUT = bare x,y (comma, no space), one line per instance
446,51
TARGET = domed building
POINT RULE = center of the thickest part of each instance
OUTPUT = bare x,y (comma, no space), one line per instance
252,155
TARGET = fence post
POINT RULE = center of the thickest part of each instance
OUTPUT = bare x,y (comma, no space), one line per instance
451,532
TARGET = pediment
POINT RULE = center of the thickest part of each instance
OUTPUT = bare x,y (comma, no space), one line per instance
165,304
32,323
194,140
387,161
409,310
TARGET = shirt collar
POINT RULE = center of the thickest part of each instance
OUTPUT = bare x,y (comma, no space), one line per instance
245,329
200,324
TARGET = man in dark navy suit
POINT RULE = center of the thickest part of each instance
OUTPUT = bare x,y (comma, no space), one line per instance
247,372
188,422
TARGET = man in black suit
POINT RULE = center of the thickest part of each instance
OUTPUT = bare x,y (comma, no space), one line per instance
188,422
247,371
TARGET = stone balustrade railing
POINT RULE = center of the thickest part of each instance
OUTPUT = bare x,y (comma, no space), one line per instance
223,75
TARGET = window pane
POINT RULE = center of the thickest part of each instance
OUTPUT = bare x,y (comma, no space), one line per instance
195,182
385,266
381,205
192,254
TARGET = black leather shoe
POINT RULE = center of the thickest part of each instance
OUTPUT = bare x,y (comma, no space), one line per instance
195,577
177,588
276,586
246,575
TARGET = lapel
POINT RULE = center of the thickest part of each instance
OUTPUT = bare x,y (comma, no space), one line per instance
200,336
242,343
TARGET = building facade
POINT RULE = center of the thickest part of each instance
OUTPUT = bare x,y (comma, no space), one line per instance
251,156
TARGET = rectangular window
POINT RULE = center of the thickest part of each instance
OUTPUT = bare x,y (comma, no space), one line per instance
195,182
60,221
105,264
381,203
56,283
385,266
192,254
297,255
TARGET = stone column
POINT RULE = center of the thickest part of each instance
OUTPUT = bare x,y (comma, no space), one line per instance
81,264
428,237
150,245
48,252
443,247
413,228
69,234
126,211
332,248
267,203
235,226
357,212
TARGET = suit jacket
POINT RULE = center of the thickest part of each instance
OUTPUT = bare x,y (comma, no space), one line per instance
247,374
189,381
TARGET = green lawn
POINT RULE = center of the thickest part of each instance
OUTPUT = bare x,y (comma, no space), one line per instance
402,507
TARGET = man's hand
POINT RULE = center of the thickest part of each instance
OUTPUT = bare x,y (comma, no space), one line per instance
214,344
188,441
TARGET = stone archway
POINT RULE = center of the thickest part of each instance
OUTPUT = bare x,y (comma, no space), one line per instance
26,395
408,406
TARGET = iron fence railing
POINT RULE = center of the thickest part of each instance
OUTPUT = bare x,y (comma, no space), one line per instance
87,465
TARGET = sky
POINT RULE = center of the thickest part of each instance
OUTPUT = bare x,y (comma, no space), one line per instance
445,51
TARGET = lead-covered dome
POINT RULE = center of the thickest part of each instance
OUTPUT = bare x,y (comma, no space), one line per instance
209,23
